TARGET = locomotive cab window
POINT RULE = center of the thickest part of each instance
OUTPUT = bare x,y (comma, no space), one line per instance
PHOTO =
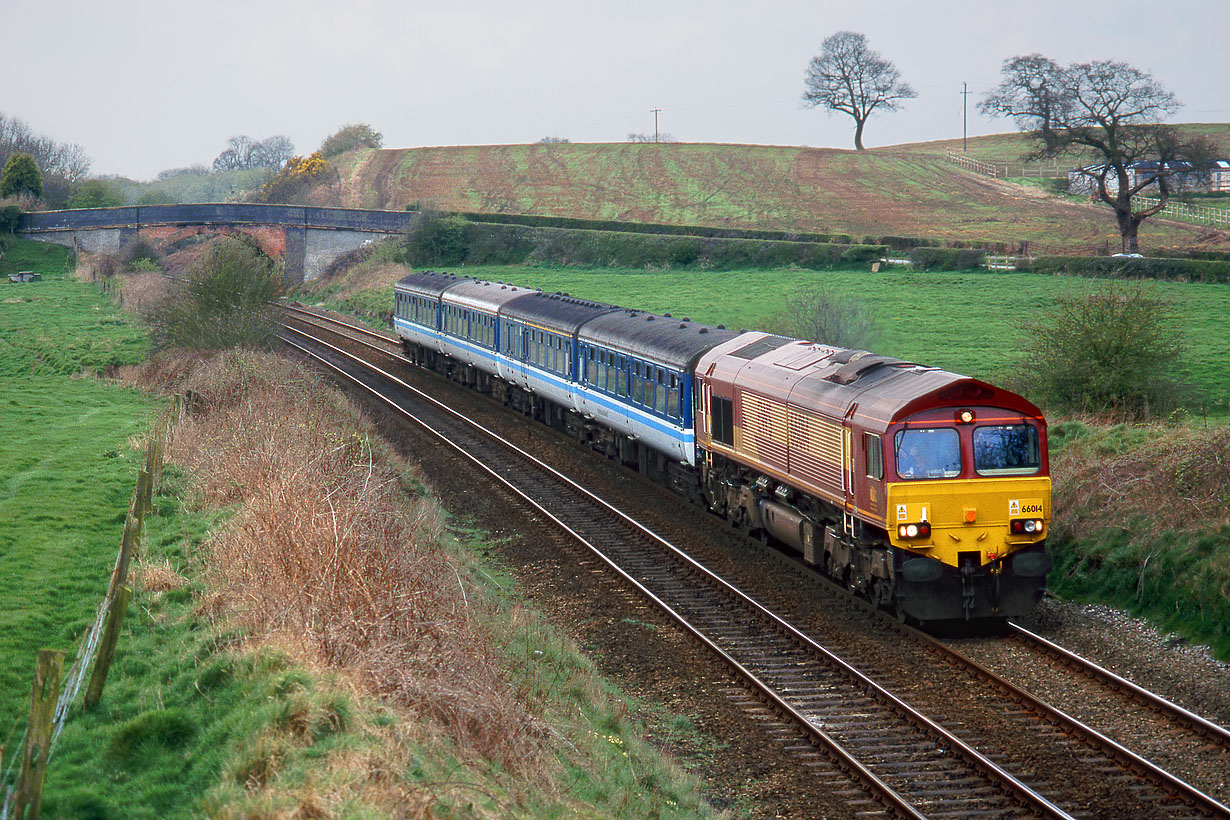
1009,449
873,452
927,453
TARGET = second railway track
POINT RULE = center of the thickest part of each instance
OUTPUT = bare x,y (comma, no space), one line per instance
899,751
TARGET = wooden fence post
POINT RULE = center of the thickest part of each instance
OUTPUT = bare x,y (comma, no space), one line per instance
28,800
145,489
130,544
106,649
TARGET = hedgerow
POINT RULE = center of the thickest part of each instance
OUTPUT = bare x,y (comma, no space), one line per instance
510,244
1188,270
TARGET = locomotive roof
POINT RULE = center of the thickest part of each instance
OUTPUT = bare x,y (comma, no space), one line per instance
555,311
673,342
873,390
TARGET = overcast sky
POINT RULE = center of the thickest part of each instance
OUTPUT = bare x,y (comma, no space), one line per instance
147,85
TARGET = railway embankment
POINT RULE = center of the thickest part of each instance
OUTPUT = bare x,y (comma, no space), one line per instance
308,637
1142,522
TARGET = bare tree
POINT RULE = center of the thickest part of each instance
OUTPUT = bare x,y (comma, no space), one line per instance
1112,111
848,76
63,165
272,152
242,153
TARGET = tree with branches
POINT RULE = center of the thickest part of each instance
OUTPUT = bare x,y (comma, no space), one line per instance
242,153
850,77
1112,111
62,165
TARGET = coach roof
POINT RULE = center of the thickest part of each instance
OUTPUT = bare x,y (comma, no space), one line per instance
669,341
554,311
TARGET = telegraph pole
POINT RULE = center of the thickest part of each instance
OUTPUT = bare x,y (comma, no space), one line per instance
965,92
655,123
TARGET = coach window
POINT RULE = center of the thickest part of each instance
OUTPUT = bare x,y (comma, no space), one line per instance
873,451
672,397
659,403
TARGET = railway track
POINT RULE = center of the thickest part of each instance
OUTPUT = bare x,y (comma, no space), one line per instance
912,764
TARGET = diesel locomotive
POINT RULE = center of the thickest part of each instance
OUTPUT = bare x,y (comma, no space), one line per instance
925,491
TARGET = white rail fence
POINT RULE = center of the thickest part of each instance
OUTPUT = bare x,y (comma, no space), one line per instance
1202,214
1002,170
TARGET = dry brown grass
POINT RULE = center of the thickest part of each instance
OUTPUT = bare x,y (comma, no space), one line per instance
327,556
142,292
1180,477
157,577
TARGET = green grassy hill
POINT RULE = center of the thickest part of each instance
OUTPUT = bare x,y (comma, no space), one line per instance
906,190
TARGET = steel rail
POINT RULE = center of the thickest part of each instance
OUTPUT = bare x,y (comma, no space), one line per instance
1202,725
979,761
1126,756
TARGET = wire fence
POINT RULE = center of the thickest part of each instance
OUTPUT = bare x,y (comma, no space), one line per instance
142,495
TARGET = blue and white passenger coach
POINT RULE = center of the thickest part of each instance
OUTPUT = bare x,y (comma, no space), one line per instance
619,379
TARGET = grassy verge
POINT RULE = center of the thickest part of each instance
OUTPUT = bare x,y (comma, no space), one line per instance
67,467
243,691
966,322
1142,522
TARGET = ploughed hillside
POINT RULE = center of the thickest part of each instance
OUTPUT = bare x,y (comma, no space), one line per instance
900,192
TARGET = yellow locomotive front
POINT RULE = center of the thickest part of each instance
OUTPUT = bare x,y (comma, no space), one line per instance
968,500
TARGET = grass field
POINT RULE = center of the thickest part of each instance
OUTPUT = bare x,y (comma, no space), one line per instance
892,191
967,322
196,720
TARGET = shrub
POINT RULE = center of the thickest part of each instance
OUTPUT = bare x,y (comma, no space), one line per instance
140,255
348,138
824,316
296,178
435,239
927,258
96,193
1115,348
226,303
10,218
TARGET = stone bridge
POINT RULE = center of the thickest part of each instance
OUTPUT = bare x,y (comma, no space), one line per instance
306,239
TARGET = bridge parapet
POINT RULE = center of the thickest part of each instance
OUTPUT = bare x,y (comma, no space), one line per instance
311,237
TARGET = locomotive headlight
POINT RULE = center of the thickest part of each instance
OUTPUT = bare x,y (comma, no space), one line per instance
1025,526
911,531
920,530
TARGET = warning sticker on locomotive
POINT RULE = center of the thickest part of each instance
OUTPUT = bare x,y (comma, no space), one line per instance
1025,506
901,514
